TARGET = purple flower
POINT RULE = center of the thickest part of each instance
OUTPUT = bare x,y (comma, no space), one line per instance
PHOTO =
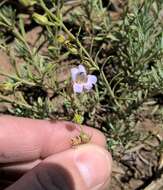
82,81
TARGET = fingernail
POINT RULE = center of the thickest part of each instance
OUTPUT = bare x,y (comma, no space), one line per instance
94,165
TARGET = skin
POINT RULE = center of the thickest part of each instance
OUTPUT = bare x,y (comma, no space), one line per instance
37,155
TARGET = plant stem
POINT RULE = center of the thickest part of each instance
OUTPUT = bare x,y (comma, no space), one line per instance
9,100
81,46
58,20
110,90
17,79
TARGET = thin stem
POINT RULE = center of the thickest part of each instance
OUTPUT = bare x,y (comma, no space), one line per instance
5,20
110,90
80,45
18,35
69,33
17,79
9,100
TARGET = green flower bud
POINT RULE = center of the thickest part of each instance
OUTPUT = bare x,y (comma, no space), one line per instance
78,118
27,3
40,19
6,87
72,48
61,39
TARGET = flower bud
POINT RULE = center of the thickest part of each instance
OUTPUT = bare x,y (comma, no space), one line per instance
72,48
6,87
40,19
78,118
27,3
61,39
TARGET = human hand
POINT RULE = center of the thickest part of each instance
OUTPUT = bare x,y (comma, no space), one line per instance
37,155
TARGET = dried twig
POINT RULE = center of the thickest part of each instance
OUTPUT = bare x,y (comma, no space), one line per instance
156,185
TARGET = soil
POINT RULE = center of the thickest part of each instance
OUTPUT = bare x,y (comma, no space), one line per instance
140,167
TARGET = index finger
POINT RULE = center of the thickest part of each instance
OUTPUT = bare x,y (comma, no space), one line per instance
23,139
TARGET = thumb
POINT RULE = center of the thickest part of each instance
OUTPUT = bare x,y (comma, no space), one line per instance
87,167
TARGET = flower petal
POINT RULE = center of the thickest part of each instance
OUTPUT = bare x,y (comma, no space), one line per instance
74,73
92,79
88,86
78,88
81,69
